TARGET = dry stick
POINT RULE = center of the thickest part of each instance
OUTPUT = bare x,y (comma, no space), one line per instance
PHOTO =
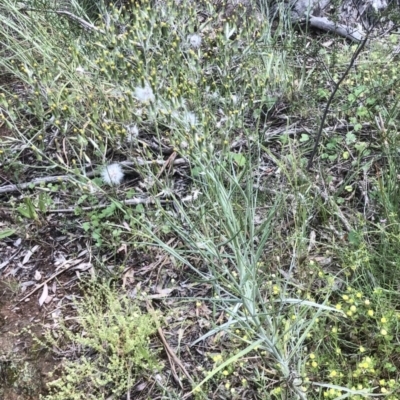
60,178
80,21
38,181
168,162
170,352
321,126
46,281
130,202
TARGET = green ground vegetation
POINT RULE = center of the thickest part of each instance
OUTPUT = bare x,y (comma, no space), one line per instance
302,267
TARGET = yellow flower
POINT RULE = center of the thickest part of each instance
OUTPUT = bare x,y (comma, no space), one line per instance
217,358
370,313
383,332
383,320
314,364
312,356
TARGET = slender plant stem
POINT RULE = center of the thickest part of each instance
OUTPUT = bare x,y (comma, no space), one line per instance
331,97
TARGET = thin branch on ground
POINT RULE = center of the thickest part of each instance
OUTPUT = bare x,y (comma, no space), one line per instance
331,97
63,178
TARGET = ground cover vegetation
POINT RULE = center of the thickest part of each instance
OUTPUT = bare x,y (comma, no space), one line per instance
154,155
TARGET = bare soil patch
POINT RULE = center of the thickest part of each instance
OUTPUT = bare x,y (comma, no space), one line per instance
23,368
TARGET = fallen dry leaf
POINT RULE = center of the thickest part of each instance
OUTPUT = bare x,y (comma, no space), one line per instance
44,295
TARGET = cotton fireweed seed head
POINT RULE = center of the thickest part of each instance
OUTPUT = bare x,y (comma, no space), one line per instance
144,94
185,118
190,118
112,174
194,41
132,132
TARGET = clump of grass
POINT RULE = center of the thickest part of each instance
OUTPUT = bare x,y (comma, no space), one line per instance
196,88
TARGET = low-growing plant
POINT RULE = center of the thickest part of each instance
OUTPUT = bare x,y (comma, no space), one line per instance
111,343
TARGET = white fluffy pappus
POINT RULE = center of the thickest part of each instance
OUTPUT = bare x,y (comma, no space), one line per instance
194,41
112,174
132,132
144,94
190,118
186,118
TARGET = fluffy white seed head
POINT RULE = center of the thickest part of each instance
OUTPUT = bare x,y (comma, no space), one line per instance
144,94
190,118
194,40
112,174
132,132
185,118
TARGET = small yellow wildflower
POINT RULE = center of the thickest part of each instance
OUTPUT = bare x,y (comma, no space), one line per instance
217,358
383,332
370,313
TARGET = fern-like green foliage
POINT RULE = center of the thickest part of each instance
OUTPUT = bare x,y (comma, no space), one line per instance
112,343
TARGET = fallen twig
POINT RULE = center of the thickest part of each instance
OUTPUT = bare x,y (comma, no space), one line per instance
46,281
63,178
327,25
331,97
171,354
131,202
